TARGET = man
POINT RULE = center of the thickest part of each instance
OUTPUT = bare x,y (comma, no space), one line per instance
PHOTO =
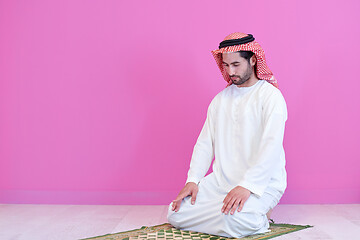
244,130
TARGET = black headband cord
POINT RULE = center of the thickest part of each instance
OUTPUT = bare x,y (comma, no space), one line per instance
233,42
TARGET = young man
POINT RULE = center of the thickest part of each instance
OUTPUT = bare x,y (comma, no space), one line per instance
244,130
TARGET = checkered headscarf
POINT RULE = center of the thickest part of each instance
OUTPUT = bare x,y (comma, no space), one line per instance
246,42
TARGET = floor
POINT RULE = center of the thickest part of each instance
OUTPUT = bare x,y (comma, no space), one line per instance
63,222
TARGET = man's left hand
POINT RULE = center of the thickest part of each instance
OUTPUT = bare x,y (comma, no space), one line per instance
236,197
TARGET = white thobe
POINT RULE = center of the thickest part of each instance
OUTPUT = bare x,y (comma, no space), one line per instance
244,131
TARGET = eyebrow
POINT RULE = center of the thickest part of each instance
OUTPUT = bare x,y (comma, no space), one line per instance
231,63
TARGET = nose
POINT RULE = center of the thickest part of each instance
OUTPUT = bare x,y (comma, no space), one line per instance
231,70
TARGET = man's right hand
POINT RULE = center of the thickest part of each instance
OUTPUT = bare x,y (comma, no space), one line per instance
190,188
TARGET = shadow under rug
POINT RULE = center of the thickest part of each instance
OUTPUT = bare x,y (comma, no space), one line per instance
167,231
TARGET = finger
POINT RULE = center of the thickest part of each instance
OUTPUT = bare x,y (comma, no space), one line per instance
236,204
224,205
193,197
241,205
226,199
229,205
181,196
177,206
179,199
174,203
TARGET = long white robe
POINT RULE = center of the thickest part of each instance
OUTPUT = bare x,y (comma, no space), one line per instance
244,131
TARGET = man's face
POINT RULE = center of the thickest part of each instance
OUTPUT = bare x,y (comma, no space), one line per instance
238,68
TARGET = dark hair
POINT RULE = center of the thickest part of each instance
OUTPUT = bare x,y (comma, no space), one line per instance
246,54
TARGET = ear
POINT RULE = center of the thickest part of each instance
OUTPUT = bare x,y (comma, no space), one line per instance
253,60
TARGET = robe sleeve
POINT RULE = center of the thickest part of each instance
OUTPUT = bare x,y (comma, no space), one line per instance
203,152
268,155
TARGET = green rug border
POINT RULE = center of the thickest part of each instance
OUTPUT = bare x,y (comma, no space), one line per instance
296,228
143,227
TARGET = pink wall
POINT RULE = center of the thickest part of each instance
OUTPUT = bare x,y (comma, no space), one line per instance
101,102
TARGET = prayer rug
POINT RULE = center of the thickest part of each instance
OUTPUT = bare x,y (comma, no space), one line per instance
167,231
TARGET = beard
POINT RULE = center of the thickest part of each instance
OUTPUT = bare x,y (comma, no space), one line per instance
242,79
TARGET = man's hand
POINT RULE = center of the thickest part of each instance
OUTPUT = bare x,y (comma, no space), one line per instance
190,188
236,197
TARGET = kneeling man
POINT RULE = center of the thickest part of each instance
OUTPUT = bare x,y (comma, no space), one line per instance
244,131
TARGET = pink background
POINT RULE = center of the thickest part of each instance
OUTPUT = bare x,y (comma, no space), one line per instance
101,102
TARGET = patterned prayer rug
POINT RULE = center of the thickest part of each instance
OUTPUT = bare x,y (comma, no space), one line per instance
166,231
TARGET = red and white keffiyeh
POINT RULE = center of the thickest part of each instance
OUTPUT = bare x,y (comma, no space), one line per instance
261,69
